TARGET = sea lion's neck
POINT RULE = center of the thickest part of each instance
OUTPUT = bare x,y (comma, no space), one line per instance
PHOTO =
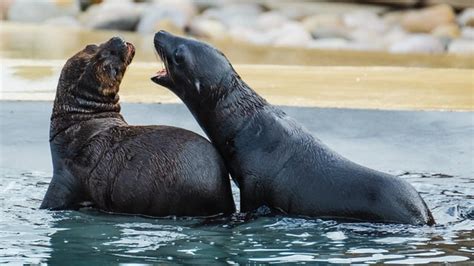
77,105
230,111
225,119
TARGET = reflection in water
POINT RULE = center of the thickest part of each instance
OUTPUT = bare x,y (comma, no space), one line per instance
29,235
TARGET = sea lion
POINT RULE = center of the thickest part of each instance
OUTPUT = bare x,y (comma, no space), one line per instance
99,158
273,159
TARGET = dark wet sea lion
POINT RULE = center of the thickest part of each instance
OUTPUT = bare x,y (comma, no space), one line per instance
274,160
98,157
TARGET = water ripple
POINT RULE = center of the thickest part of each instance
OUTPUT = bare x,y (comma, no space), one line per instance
30,235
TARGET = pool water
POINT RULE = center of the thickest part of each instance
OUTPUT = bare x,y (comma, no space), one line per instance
30,235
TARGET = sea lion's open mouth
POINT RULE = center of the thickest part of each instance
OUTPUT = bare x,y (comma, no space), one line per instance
162,76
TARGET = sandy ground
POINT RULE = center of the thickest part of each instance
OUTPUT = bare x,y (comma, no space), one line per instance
393,88
393,141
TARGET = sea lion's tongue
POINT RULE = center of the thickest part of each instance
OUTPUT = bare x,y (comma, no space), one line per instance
162,73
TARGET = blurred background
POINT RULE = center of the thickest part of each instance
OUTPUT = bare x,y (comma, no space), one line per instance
393,26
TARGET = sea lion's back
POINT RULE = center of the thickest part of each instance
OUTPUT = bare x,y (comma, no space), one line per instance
169,168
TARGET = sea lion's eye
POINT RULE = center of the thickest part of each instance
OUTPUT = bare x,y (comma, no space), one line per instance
113,71
179,55
105,54
110,70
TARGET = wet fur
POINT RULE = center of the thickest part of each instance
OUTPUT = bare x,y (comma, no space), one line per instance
274,160
98,157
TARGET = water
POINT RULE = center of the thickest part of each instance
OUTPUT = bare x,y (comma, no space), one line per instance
30,235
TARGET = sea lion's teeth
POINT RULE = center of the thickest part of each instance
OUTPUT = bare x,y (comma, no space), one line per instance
161,73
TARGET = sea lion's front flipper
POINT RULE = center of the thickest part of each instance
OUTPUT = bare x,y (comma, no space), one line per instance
63,192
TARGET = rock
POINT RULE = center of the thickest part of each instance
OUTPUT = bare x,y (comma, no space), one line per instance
330,43
177,14
291,34
363,19
270,20
112,15
186,6
39,11
297,10
427,19
461,46
64,21
418,43
242,15
367,41
323,33
394,35
246,34
4,7
466,18
326,26
362,34
322,20
467,33
450,31
207,28
393,18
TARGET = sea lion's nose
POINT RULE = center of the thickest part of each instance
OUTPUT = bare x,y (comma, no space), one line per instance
161,36
117,42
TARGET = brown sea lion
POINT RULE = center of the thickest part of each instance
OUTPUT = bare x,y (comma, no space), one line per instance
98,157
